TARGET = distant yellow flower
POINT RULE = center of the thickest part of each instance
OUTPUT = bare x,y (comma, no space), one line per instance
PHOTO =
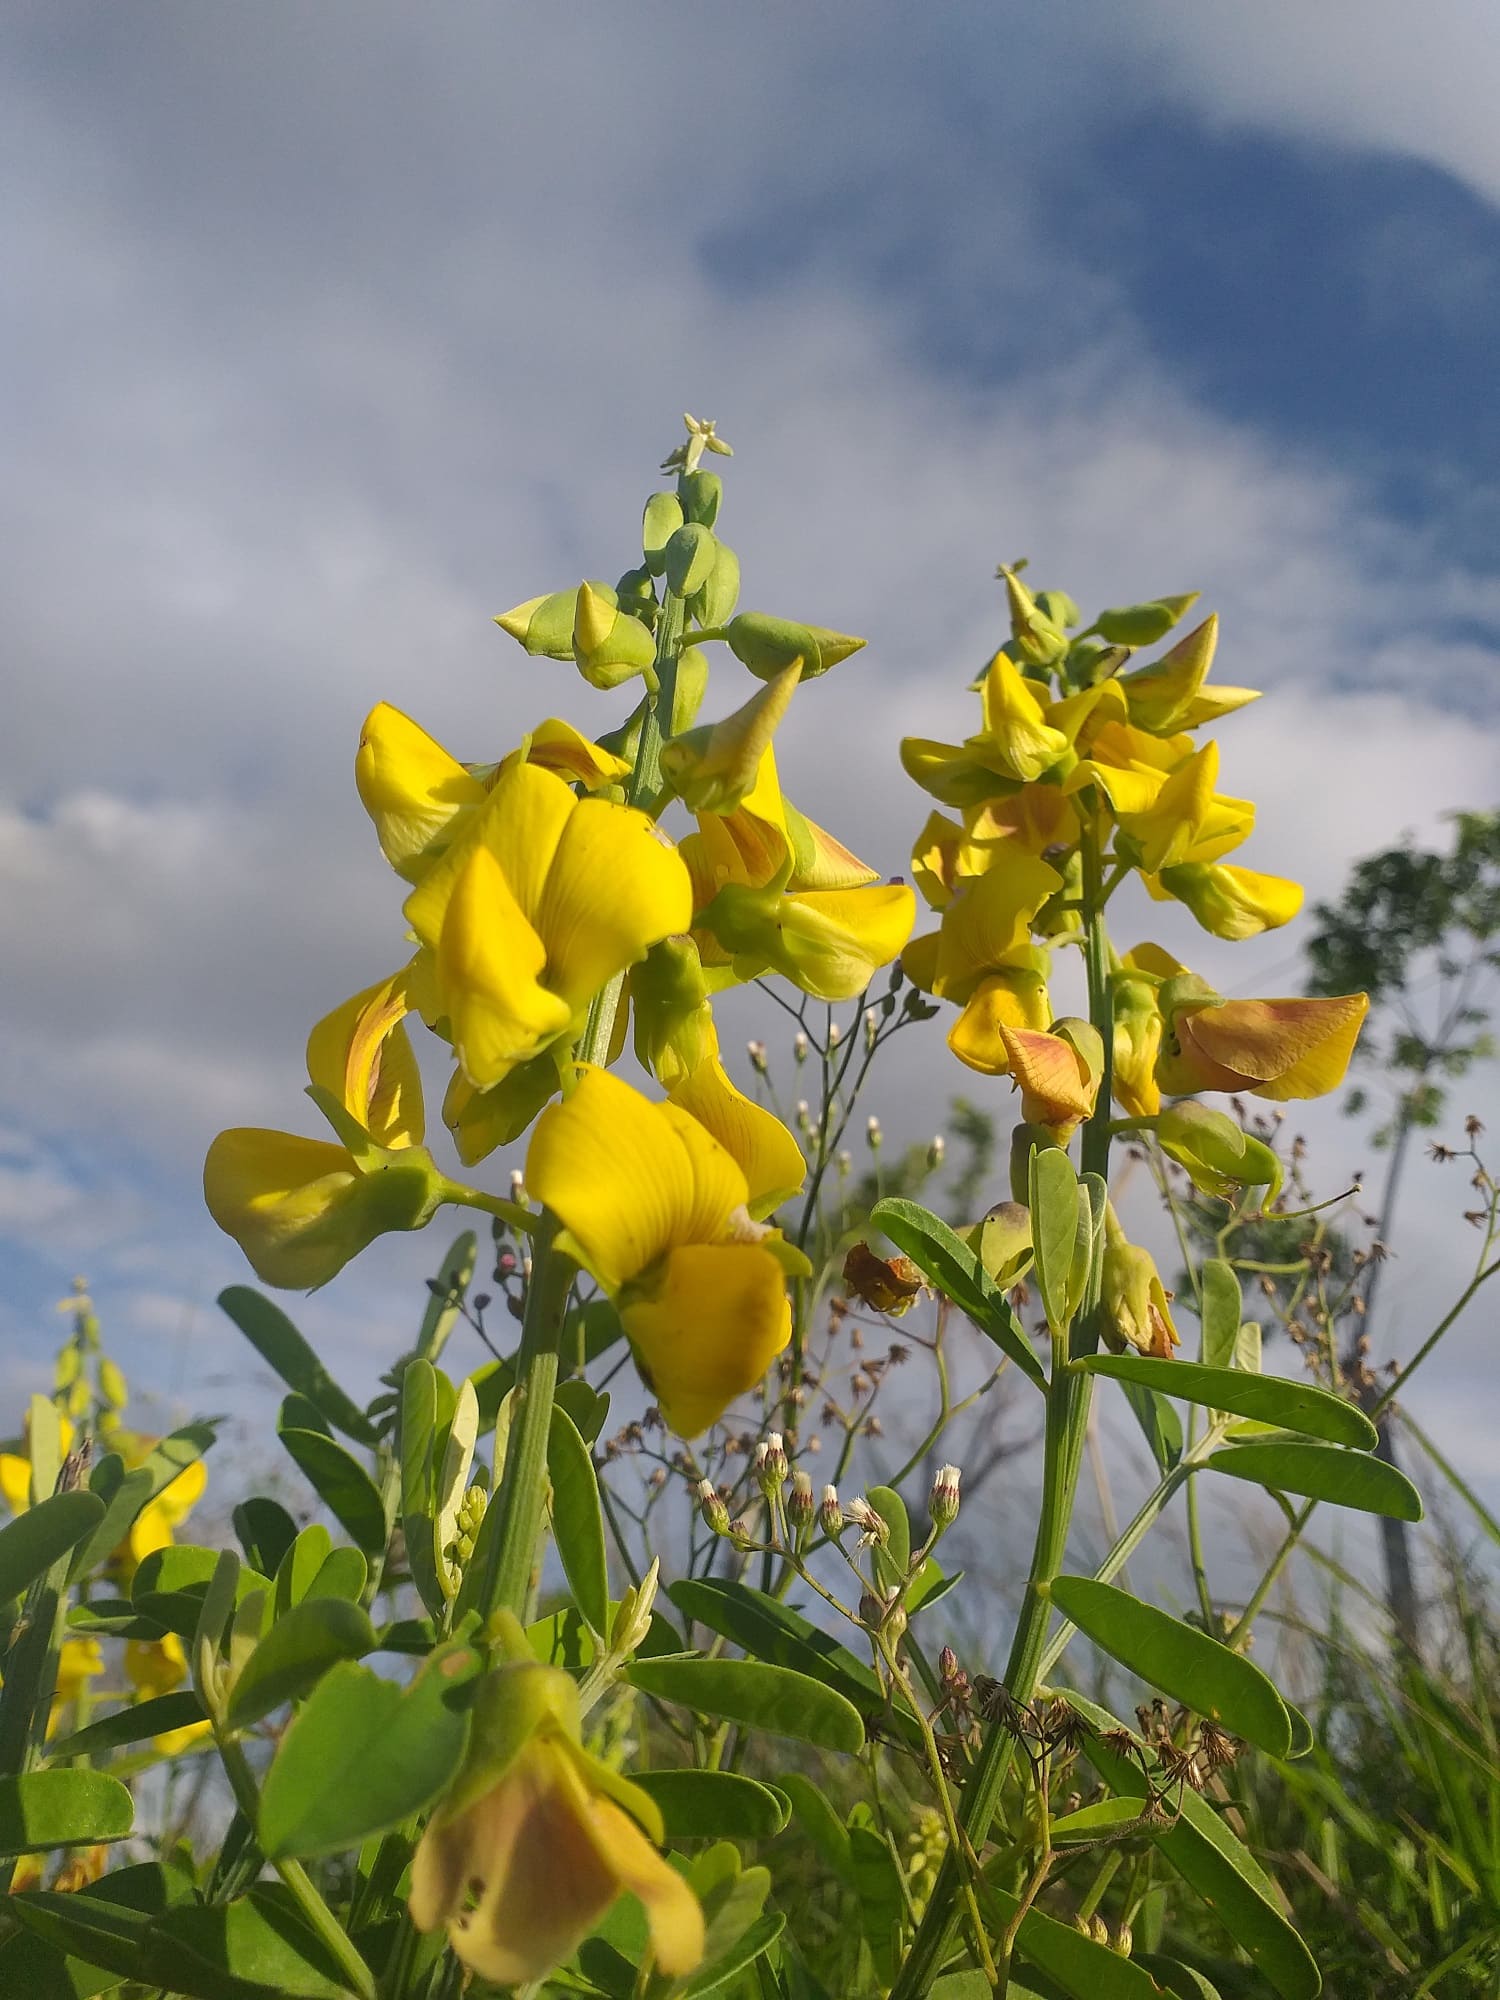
1171,695
538,1840
1015,744
656,1209
156,1667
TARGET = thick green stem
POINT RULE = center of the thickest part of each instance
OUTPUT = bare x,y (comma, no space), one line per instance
645,783
505,1578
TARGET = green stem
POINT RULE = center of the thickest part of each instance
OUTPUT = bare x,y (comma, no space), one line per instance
303,1890
645,783
505,1578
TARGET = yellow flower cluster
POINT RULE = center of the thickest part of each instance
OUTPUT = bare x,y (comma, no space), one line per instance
548,915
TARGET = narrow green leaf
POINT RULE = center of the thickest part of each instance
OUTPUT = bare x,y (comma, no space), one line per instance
588,1407
1078,1966
1323,1472
261,1942
1217,1867
881,1893
446,1295
1221,1312
418,1432
124,1495
343,1485
577,1521
297,1413
1181,1981
1106,1818
1247,1350
747,1947
42,1536
1295,1406
156,1717
344,1574
115,1617
301,1563
766,1697
62,1809
296,1653
816,1818
1054,1229
719,1805
278,1343
1180,1660
32,1967
266,1531
957,1273
774,1632
1160,1424
363,1754
86,1927
171,1584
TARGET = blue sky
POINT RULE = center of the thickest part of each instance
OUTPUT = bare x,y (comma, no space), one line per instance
333,332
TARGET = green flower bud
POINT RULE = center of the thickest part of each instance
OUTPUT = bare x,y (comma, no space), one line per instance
767,645
700,494
609,645
714,604
69,1362
662,518
635,595
1144,624
1094,660
544,625
1035,640
1219,1158
112,1386
1058,607
688,689
689,558
1133,1302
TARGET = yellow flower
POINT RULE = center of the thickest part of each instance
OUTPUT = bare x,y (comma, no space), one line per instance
538,1839
1056,1072
419,796
539,902
361,1055
765,1150
1137,1042
1188,820
78,1662
152,1528
715,768
1015,745
828,942
1280,1049
1015,996
1230,902
656,1209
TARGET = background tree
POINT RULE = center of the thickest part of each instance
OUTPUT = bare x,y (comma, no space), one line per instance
1420,932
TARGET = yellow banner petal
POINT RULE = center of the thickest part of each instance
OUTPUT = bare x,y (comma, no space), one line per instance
768,1155
411,787
489,963
361,1054
715,1318
616,886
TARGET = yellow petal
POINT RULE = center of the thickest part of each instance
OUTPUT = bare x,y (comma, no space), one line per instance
1232,902
1056,1089
411,788
519,824
714,767
1015,998
712,1322
957,774
768,1155
988,920
1014,721
1281,1049
919,961
616,885
843,936
15,1481
155,1666
672,1910
489,965
361,1055
934,859
558,747
818,860
1167,830
628,1178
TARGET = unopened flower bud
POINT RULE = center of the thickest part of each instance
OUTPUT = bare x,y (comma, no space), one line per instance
873,1530
835,1034
942,1503
800,1046
770,1464
872,1027
845,1163
830,1513
1098,1930
801,1508
1124,1940
873,1134
936,1150
632,1619
518,1187
757,1054
711,1507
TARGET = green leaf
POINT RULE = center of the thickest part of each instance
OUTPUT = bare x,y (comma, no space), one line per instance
62,1809
171,1584
1247,1350
344,1574
1322,1472
115,1617
727,1965
363,1754
446,1295
562,1639
766,1697
719,1805
878,1886
816,1818
1180,1660
772,1631
86,1927
278,1342
1054,1229
422,1404
1179,1980
1295,1406
301,1563
1217,1867
156,1717
894,1559
124,1495
1086,1970
344,1487
577,1522
261,1941
1221,1312
1105,1818
42,1536
1159,1422
41,1971
296,1653
266,1531
957,1273
587,1407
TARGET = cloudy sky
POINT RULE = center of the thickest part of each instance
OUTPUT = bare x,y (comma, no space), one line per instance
330,332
